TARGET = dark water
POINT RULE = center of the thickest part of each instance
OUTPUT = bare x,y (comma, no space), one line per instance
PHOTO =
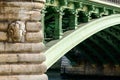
55,75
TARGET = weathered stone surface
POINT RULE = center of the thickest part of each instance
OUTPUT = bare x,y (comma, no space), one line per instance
33,26
14,16
107,70
19,59
10,10
25,5
5,69
3,36
28,68
31,15
8,58
31,58
38,47
35,15
16,31
22,58
25,77
16,10
117,69
34,37
2,47
23,68
111,70
24,47
3,26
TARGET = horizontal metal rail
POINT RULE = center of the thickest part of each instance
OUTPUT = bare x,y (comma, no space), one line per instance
107,2
99,3
113,1
55,52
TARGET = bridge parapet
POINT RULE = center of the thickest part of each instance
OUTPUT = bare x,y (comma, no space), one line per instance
112,1
69,13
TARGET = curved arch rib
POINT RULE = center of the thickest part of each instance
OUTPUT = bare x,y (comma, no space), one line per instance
55,52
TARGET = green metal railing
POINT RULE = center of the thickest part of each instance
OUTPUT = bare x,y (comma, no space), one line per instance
113,1
63,15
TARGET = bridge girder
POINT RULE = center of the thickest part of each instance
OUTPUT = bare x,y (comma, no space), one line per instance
79,35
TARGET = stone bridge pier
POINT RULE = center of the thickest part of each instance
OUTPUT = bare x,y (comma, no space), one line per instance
21,40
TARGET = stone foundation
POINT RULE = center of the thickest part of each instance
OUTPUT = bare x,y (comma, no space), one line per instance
21,40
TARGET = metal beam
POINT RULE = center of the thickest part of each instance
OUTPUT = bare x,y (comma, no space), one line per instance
55,52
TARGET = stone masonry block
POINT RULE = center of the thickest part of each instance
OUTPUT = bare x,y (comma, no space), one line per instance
8,58
25,5
24,47
33,26
30,15
14,16
25,77
3,26
22,69
35,15
3,36
31,58
2,47
22,58
38,47
28,68
34,37
5,69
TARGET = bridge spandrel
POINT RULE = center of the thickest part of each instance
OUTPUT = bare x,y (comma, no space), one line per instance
21,40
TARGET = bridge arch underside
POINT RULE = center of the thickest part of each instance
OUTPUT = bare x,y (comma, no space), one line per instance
101,48
108,40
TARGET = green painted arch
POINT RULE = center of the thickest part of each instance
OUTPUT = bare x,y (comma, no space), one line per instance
55,52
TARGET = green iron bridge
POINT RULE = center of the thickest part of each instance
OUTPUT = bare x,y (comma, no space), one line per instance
84,30
83,34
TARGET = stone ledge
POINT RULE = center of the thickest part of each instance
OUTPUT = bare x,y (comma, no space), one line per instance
25,77
17,10
22,58
33,5
31,58
22,69
24,47
31,16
